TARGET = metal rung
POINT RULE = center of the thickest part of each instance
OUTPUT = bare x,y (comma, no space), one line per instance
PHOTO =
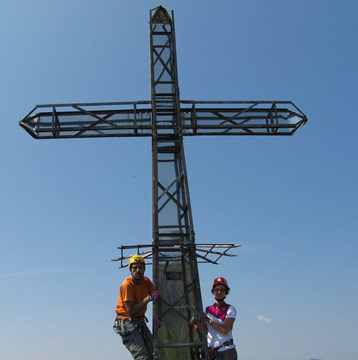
195,344
173,235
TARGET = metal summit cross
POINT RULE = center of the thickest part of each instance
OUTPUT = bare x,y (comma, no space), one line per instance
167,119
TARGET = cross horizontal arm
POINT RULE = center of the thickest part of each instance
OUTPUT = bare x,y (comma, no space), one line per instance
89,120
241,118
134,119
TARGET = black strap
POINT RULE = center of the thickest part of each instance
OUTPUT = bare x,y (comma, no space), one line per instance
139,318
226,343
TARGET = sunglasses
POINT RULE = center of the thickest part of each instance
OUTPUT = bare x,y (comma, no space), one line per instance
220,290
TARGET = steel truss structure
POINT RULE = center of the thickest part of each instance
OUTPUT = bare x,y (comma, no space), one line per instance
167,119
207,253
128,119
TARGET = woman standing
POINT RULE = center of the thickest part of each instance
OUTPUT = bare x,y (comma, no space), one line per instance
220,319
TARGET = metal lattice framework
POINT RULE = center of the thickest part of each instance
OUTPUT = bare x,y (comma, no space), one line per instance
166,119
128,119
207,253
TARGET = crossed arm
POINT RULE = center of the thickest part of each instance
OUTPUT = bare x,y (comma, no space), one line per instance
224,328
221,328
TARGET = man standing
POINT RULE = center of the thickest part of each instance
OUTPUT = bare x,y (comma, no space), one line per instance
135,293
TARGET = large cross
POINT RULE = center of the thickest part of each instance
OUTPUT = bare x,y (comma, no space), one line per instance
167,119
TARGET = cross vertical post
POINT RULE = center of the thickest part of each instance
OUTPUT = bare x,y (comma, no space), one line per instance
175,267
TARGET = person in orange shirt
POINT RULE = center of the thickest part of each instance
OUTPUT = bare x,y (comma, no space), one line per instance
135,293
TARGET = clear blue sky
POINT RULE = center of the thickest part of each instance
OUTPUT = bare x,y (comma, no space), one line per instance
291,202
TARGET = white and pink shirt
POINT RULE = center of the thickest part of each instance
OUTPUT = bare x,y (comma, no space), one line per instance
219,313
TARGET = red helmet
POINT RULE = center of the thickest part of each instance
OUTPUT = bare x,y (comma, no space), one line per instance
220,281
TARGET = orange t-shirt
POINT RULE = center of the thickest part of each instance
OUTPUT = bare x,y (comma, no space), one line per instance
131,291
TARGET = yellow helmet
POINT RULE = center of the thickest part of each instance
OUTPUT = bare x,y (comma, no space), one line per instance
136,259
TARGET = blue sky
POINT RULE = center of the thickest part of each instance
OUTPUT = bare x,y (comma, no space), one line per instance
291,202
